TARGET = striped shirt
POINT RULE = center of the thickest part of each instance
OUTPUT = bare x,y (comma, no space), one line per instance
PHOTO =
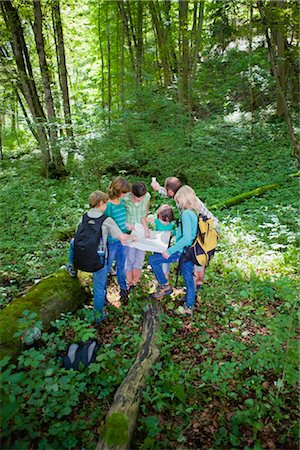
118,213
136,211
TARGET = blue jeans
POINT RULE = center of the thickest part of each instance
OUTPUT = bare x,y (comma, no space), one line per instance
187,269
118,252
71,252
99,285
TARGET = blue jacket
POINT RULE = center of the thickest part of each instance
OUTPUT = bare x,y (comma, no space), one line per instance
185,233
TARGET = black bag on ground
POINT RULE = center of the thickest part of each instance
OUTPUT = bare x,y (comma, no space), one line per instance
86,242
80,355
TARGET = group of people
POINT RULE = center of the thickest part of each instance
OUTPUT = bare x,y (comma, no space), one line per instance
128,204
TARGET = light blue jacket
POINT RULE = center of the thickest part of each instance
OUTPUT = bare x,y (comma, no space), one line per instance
185,233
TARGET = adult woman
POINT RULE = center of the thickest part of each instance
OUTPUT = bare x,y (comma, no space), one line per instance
188,204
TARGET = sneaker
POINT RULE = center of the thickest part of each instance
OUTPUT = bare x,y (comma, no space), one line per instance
112,272
124,296
184,310
71,270
162,291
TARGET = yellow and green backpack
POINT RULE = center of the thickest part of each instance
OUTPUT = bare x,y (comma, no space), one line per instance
203,248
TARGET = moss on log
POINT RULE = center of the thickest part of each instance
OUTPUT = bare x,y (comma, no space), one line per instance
255,193
121,418
50,297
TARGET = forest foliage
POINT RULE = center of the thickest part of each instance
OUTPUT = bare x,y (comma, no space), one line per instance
205,90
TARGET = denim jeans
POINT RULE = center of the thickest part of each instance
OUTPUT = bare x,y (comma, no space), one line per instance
99,284
71,252
118,252
187,268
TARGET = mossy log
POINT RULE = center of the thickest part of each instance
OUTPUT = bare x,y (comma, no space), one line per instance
121,418
50,297
255,193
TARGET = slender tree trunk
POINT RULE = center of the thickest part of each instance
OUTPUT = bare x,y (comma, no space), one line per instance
281,58
161,42
40,46
62,71
139,48
128,34
122,56
108,65
197,41
251,91
184,55
295,144
26,78
101,58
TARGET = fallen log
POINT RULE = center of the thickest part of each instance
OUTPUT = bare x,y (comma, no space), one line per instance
254,193
121,418
50,297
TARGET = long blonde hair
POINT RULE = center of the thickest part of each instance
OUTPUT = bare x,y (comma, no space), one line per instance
186,198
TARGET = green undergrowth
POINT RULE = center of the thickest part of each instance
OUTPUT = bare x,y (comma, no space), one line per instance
226,378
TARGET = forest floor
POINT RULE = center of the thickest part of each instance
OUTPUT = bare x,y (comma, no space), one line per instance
227,377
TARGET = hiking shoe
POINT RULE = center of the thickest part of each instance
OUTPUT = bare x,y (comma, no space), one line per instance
162,291
124,296
71,270
184,311
112,272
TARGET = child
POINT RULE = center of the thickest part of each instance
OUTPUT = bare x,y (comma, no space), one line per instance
137,207
116,250
163,222
98,201
187,203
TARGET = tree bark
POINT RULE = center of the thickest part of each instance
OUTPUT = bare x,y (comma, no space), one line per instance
27,83
40,47
52,296
161,41
62,71
108,64
183,88
122,415
295,144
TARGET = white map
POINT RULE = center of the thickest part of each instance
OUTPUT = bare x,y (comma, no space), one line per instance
158,241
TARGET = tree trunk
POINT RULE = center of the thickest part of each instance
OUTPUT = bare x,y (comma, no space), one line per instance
295,144
281,58
63,76
161,41
255,193
40,47
25,75
108,64
122,415
139,48
101,58
122,57
251,91
52,296
183,88
127,32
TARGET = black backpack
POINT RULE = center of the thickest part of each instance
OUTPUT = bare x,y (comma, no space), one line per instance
86,242
80,355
